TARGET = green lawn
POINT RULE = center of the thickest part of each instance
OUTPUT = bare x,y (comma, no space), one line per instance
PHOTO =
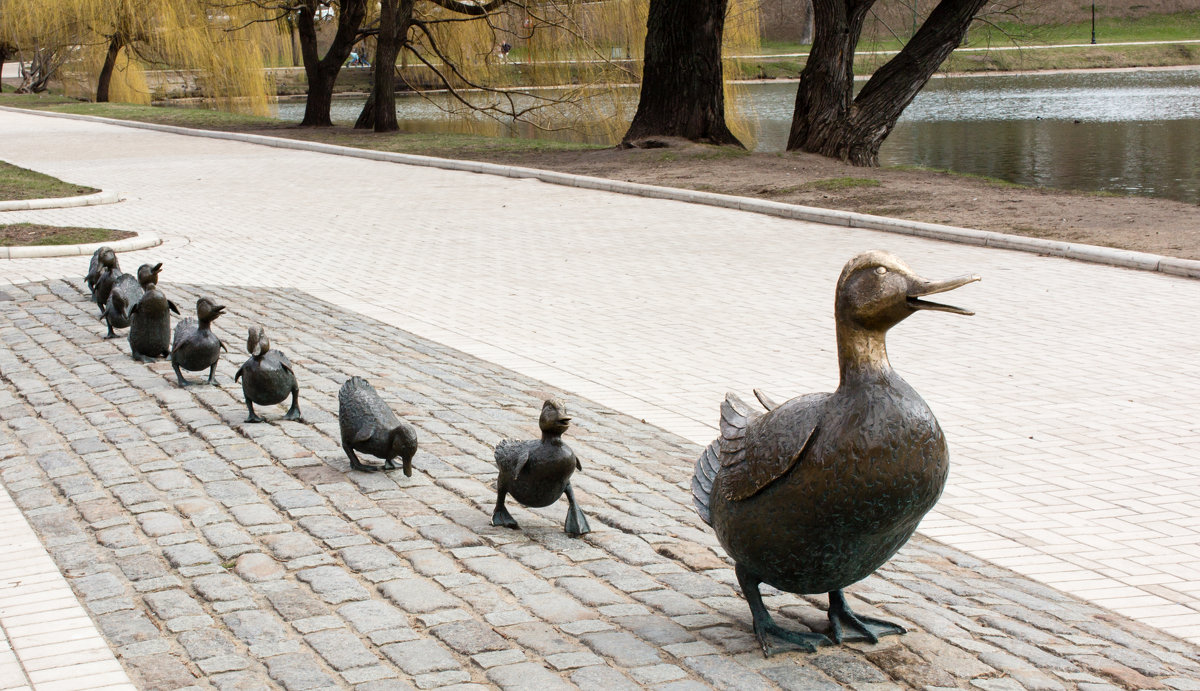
26,234
19,183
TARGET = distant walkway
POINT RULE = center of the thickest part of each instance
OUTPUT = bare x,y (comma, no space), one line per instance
1071,400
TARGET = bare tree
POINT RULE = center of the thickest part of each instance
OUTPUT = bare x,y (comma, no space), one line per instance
683,85
829,119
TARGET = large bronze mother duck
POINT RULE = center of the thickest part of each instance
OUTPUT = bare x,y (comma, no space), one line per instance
817,493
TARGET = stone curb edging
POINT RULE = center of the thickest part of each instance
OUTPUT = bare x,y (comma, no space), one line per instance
61,202
1144,261
141,242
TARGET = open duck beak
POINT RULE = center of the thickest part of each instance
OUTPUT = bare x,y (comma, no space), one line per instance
919,287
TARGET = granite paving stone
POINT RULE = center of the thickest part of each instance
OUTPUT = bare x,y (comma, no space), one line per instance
403,583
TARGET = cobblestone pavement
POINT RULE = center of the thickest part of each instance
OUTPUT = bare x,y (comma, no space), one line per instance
212,552
1071,401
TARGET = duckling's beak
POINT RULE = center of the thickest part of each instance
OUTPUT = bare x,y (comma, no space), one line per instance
919,287
218,311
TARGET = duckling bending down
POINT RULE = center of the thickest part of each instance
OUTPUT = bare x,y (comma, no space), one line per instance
196,347
125,293
150,318
817,493
103,274
538,472
268,376
368,425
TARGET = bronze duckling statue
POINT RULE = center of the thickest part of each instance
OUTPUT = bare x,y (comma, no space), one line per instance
817,493
103,273
538,472
150,318
196,347
369,426
125,293
267,377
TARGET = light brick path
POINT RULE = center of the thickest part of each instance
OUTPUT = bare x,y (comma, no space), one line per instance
1070,400
211,552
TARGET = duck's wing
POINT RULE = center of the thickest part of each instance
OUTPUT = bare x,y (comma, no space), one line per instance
183,333
748,469
766,401
511,456
285,363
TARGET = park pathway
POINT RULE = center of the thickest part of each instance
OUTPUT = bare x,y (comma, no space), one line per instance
1071,400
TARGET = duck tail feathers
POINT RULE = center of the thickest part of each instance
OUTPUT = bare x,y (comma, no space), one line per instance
702,479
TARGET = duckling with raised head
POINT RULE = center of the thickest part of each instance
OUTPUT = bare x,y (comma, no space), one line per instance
103,273
150,318
369,426
125,293
537,472
196,348
267,377
817,493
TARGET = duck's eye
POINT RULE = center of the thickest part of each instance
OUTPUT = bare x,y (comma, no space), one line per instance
881,270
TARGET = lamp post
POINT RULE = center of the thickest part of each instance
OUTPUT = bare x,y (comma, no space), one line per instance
1093,23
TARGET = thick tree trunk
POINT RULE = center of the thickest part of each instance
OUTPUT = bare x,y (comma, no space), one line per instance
106,72
322,72
682,83
828,119
379,112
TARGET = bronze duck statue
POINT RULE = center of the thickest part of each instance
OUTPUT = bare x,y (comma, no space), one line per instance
196,347
537,472
267,377
817,493
150,318
125,293
103,273
369,426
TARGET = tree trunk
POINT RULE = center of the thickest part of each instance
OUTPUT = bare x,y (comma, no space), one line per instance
322,73
115,44
828,119
3,58
379,112
682,83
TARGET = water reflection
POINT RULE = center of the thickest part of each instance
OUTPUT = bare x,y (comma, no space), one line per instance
1127,132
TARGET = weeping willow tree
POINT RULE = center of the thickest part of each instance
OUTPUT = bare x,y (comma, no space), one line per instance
112,44
551,65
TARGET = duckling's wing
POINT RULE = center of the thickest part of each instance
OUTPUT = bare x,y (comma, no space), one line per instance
766,401
511,456
285,363
183,333
749,469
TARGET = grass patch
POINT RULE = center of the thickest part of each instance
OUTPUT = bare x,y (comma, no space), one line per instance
29,234
19,183
839,184
448,145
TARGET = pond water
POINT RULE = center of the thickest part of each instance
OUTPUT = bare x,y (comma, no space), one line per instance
1132,132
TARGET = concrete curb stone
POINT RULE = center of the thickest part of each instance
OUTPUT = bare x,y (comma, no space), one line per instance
1082,252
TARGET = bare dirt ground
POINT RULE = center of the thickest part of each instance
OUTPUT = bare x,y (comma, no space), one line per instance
1136,223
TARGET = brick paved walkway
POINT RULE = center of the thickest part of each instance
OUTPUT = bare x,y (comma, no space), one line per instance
1070,400
213,552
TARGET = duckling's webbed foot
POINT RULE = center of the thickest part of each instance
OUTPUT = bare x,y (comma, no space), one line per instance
354,464
212,373
294,412
848,626
501,518
765,627
179,376
576,524
253,416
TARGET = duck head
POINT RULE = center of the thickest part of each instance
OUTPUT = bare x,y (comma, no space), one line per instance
207,310
554,420
403,443
148,275
108,258
875,292
257,342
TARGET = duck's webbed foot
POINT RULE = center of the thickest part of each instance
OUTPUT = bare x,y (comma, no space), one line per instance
848,626
765,628
253,416
294,412
212,374
354,463
577,523
179,376
501,518
143,358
